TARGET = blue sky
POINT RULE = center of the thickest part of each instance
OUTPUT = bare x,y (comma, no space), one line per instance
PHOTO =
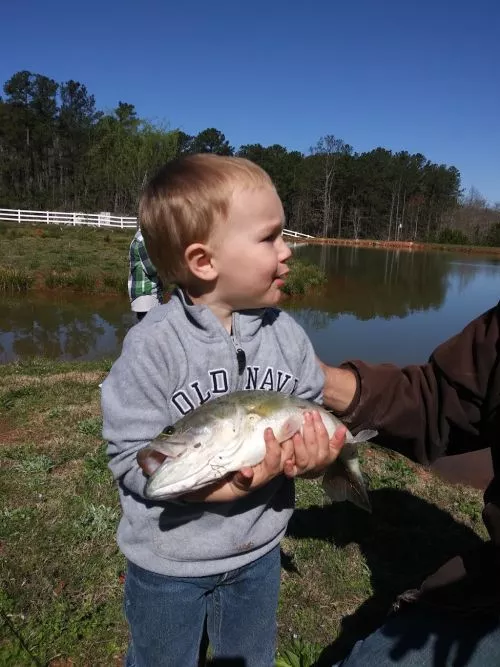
422,76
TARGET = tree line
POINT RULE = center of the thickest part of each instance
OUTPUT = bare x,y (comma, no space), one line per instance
59,152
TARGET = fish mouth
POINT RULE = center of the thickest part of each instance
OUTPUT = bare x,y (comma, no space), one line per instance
159,489
173,472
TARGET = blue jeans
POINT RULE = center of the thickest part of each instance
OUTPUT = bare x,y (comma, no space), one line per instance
166,615
421,637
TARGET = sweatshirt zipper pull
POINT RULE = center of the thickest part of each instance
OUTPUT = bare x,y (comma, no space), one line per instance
242,360
241,357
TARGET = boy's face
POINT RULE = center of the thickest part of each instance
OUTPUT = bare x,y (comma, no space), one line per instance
249,253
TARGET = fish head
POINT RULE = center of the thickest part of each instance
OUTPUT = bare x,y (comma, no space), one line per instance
198,452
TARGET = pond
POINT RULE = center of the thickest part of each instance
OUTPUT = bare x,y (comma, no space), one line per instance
378,305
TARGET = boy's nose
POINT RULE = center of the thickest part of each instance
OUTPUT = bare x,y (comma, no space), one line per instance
284,251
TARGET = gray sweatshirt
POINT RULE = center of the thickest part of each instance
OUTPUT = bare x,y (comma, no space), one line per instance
176,358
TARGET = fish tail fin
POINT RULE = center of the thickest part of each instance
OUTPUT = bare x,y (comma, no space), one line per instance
341,483
363,436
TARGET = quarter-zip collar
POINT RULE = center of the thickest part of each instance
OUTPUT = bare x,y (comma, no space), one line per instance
244,324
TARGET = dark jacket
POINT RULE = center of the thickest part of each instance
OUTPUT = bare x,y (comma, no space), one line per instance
450,405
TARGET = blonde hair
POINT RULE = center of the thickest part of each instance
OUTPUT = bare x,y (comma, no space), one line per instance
183,202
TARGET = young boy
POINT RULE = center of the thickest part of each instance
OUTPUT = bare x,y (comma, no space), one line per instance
213,226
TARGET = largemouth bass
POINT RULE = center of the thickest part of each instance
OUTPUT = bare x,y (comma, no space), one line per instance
227,434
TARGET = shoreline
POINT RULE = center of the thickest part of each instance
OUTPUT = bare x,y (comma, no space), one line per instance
402,245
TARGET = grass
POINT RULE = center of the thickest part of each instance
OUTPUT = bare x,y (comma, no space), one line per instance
15,280
81,259
61,573
116,282
59,562
89,260
80,281
303,277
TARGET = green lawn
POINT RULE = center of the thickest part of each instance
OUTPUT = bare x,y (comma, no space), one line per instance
61,578
88,259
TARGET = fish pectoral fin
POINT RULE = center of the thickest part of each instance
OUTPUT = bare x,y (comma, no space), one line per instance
340,484
289,428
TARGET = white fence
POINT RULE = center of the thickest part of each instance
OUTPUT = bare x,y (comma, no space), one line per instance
296,235
94,219
61,218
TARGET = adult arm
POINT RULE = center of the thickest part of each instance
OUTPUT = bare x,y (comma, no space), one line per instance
424,411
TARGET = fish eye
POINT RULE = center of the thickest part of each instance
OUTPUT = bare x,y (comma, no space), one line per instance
168,430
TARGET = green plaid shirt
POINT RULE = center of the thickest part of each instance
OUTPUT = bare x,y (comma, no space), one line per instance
143,279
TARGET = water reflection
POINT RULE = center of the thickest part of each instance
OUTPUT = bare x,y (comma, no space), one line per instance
62,326
378,283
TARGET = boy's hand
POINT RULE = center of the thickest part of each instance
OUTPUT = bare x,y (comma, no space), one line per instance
277,457
314,452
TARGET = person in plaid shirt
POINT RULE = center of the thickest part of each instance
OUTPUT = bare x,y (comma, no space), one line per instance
145,288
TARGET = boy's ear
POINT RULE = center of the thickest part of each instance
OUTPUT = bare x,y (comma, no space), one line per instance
198,258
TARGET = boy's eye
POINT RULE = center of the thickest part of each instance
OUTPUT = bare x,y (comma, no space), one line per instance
273,236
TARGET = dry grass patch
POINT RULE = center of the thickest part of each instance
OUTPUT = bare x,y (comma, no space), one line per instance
86,377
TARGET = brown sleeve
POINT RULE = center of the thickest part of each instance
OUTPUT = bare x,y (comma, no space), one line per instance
437,408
